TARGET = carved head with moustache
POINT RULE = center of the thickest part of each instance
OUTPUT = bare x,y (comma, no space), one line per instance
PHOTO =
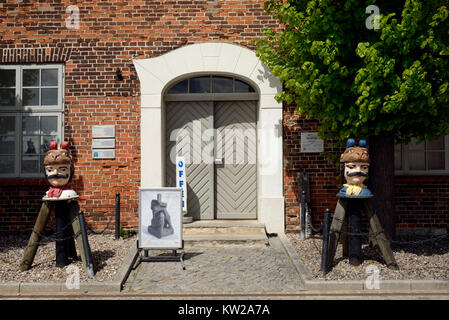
59,172
356,163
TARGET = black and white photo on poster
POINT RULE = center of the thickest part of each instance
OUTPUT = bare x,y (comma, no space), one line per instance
160,212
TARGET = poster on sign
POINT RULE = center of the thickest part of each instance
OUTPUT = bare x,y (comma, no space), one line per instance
160,222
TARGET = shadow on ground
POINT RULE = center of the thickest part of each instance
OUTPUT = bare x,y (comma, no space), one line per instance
418,245
100,257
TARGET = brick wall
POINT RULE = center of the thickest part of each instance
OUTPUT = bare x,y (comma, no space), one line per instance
421,202
323,175
111,34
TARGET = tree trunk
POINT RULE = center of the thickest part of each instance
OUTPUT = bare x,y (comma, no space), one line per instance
381,181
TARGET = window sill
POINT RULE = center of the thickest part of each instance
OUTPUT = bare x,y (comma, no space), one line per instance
422,178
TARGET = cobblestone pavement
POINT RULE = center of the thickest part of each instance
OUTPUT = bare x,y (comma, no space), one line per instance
219,268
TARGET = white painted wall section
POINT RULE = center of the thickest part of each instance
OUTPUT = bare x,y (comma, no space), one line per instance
157,74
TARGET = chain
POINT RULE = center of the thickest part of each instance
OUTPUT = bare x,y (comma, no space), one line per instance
359,234
53,238
432,239
374,235
105,228
317,249
371,235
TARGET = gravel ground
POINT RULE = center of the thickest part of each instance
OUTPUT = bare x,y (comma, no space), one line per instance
107,253
425,261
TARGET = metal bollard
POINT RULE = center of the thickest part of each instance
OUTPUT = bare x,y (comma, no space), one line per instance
324,252
303,216
117,216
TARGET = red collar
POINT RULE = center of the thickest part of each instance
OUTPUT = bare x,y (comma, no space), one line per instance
55,192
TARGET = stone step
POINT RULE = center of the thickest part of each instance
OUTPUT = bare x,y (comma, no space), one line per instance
224,230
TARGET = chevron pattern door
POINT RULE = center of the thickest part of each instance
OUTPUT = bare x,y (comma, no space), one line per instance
191,120
226,190
235,179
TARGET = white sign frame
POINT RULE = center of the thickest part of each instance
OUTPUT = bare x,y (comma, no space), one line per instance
172,197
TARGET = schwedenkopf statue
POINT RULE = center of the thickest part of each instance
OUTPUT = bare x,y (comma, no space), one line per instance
355,161
69,219
353,199
59,172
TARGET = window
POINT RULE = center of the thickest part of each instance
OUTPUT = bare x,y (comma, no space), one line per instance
427,157
31,114
211,84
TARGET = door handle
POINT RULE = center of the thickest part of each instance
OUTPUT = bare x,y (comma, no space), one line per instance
219,161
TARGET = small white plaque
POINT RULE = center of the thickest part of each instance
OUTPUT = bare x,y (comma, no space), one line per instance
311,143
103,143
103,131
103,153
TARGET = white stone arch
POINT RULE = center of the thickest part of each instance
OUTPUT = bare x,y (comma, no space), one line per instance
157,74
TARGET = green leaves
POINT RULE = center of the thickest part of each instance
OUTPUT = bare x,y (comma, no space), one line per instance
360,82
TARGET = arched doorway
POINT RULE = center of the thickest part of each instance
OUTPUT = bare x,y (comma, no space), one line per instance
211,121
159,73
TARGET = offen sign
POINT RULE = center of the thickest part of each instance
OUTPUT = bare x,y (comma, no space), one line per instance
181,180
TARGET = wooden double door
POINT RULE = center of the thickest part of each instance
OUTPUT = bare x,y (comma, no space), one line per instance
218,140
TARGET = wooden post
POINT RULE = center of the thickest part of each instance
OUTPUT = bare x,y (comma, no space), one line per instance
83,245
33,242
381,239
73,216
336,228
345,239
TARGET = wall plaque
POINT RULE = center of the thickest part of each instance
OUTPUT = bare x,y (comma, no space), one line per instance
311,143
103,131
103,143
103,153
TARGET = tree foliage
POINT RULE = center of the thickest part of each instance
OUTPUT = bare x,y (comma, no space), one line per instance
360,82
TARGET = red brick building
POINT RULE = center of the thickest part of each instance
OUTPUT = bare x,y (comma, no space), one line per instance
145,67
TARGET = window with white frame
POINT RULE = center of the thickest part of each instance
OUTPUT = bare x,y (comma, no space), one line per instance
31,115
427,157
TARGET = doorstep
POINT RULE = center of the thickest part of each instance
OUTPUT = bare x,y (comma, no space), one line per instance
346,286
224,230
